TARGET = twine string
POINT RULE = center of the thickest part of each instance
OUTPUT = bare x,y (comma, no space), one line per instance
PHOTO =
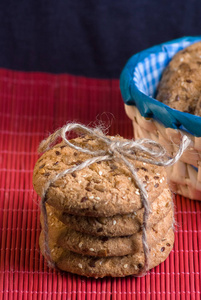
119,150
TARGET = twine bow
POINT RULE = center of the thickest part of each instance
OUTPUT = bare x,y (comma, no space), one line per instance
116,149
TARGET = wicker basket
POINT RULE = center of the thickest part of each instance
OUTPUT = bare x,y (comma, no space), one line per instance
154,120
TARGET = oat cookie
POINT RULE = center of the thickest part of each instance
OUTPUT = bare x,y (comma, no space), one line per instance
118,266
86,244
180,85
102,189
113,246
118,225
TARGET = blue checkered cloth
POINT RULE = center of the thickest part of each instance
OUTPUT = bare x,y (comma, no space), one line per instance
139,80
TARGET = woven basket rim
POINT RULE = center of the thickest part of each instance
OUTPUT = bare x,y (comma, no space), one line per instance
147,105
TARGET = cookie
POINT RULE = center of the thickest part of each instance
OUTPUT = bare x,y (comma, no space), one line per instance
113,246
104,246
118,266
180,85
118,225
102,189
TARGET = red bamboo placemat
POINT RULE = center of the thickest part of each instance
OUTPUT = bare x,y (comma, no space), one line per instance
32,105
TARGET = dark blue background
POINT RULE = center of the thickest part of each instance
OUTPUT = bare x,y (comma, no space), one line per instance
92,38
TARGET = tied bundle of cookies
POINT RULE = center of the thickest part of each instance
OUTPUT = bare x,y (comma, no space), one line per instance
106,211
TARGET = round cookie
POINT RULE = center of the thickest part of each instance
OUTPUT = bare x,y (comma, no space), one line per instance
102,189
180,85
104,246
113,246
118,225
118,266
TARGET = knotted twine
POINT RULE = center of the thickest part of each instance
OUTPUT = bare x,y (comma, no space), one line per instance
118,150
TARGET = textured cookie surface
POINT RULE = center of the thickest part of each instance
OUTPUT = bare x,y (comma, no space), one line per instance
104,246
180,85
118,266
118,225
102,189
113,246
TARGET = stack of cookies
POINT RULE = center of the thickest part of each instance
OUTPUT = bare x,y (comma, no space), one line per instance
95,215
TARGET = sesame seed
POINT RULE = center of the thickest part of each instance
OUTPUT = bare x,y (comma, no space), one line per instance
158,174
129,178
91,197
80,181
135,267
80,244
97,198
114,222
137,192
161,180
80,266
91,249
100,173
144,163
126,266
84,175
135,213
100,262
